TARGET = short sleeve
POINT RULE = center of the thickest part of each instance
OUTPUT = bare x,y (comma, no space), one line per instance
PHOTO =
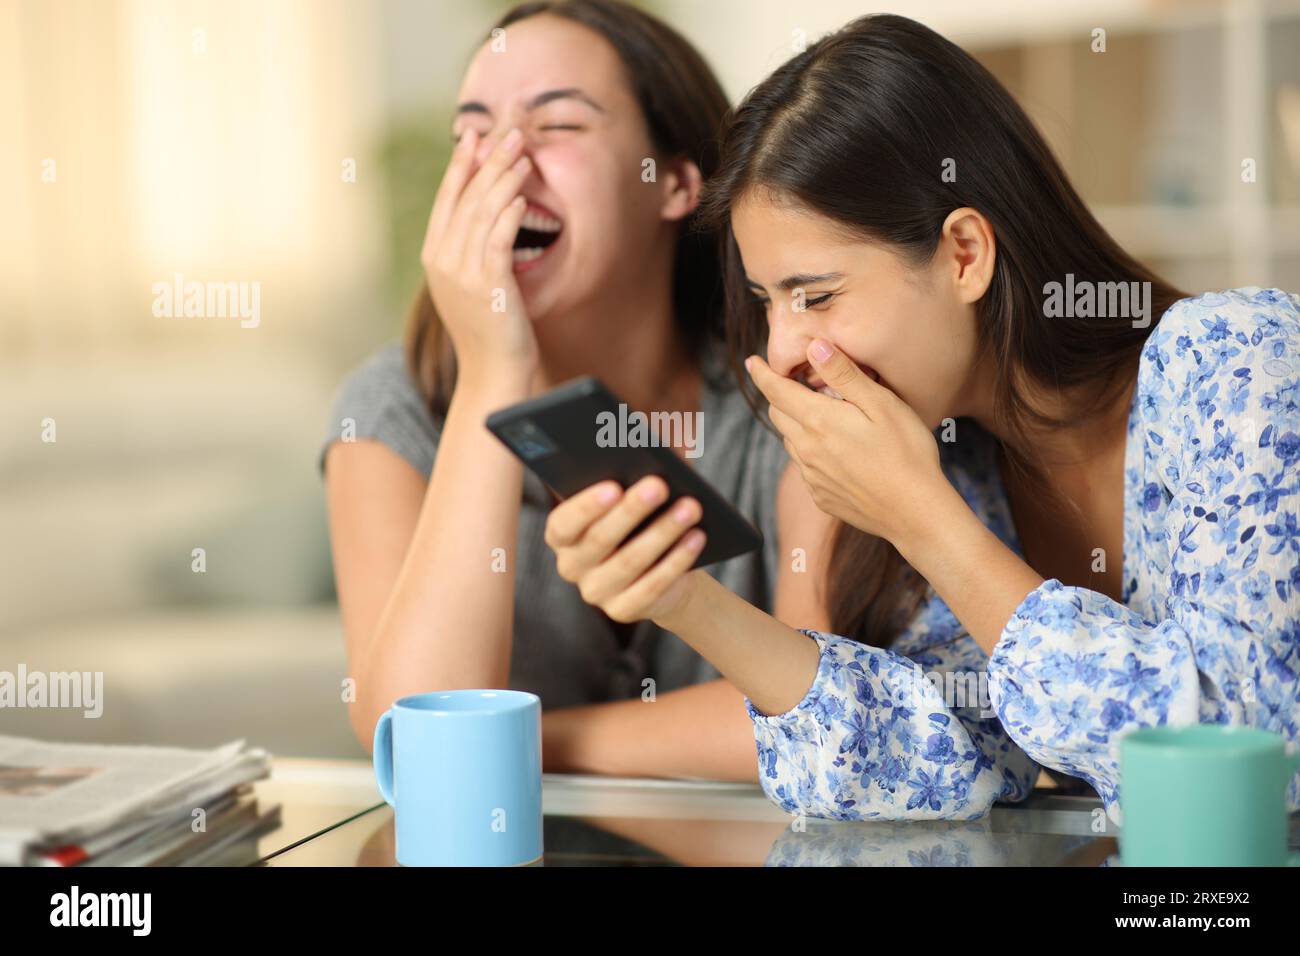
379,401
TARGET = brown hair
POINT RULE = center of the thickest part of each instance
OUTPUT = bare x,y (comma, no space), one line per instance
683,105
858,127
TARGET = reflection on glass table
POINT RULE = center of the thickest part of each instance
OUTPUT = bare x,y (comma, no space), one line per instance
334,817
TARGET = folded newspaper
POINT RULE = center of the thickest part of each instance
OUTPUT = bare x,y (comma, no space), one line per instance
65,796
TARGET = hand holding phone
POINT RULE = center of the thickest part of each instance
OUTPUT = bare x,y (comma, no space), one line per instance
648,574
559,437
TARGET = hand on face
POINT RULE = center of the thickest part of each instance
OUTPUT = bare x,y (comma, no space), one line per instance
649,576
467,256
867,458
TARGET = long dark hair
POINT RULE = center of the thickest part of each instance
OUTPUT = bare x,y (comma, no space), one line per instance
860,127
684,105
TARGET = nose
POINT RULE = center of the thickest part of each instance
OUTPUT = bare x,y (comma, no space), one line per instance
788,336
498,132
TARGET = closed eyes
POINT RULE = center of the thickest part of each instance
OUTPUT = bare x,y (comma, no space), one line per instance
808,302
550,127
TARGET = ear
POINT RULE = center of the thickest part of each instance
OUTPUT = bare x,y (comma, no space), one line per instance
682,181
969,251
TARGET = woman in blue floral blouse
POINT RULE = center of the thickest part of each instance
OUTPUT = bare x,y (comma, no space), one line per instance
1066,494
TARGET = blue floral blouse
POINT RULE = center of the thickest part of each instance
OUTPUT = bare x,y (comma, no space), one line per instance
1208,629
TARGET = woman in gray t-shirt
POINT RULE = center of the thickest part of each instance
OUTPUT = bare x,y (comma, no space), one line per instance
559,245
564,650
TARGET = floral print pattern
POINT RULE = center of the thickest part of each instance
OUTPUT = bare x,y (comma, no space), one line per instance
946,843
1208,629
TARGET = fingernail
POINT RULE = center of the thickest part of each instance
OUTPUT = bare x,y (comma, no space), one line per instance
522,164
650,491
749,364
820,350
683,511
695,540
608,494
512,138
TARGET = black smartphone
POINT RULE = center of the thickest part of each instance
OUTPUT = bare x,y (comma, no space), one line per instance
579,434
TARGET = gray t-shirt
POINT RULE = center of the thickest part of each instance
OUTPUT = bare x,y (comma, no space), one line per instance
564,650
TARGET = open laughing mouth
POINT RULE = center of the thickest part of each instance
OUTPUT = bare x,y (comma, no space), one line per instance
537,234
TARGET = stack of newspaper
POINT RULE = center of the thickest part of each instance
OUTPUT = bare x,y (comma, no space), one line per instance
91,805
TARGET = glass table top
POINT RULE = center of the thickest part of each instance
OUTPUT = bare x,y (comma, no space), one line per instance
331,815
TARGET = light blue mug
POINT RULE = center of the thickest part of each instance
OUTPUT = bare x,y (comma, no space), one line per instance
462,770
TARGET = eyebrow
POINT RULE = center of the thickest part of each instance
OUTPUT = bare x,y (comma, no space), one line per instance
540,100
797,280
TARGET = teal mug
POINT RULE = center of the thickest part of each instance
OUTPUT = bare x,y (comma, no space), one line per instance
1205,795
462,770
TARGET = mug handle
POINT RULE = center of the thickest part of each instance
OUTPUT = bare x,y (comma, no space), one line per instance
383,756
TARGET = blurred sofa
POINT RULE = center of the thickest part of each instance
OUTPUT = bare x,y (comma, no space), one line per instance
157,454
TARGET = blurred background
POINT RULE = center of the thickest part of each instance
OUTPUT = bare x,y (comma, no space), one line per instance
297,144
